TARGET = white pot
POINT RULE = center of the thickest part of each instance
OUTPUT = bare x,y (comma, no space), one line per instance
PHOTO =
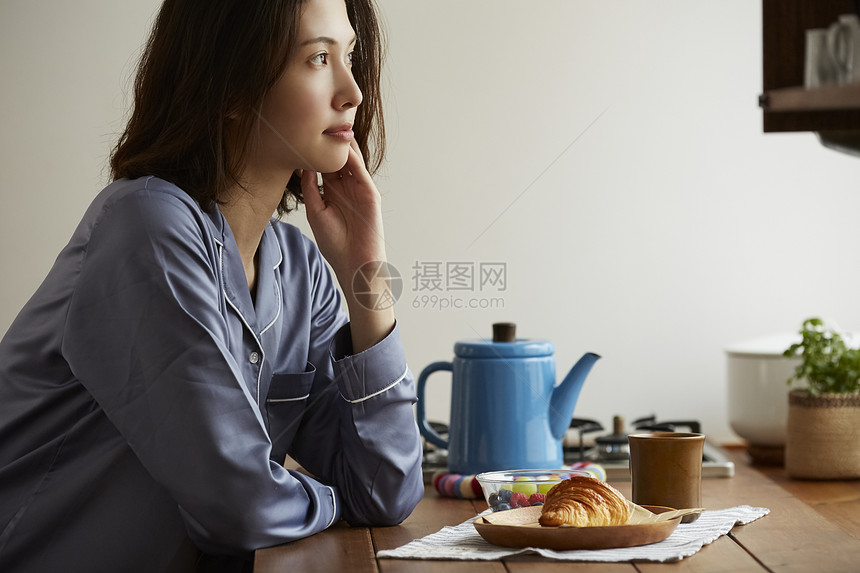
757,375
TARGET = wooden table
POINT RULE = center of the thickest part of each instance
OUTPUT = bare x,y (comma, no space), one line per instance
812,526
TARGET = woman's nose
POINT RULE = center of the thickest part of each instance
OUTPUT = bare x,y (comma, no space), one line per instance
348,93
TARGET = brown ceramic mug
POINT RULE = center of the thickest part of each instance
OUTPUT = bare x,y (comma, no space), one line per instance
666,469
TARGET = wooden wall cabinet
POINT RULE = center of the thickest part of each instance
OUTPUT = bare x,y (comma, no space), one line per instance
786,104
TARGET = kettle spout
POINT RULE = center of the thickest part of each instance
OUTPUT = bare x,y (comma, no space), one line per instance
565,395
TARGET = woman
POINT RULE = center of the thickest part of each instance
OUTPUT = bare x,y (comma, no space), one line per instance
183,343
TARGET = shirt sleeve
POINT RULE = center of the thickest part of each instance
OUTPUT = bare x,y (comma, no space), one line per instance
359,431
146,335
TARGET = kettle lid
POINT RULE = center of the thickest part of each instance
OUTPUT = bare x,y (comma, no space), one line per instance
504,344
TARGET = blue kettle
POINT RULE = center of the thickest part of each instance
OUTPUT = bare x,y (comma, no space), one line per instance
507,412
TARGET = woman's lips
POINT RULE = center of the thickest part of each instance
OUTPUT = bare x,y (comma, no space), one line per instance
342,132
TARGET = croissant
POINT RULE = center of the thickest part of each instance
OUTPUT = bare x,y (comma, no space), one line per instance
583,501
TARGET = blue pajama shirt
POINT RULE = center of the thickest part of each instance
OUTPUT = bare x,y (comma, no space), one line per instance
147,404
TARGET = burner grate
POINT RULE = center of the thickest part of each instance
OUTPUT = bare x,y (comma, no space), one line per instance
612,453
580,446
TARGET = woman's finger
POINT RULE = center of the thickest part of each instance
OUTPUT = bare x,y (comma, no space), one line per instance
355,164
354,145
311,191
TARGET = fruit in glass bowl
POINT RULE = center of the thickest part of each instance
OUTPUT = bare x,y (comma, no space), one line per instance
510,489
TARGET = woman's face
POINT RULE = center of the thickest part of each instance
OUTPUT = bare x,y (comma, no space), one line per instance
306,119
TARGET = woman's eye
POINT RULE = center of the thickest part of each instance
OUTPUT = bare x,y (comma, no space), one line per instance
350,58
320,59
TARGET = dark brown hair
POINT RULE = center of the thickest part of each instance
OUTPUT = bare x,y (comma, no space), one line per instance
209,60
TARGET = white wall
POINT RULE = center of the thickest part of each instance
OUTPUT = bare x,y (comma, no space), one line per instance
670,228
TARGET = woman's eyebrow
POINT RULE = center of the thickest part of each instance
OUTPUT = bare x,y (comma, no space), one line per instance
324,40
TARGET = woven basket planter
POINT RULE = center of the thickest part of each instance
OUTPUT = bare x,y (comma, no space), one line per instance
823,436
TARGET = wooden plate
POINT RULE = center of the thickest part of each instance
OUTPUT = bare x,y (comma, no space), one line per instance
528,533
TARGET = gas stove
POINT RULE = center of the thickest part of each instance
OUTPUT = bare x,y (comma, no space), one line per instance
582,443
612,451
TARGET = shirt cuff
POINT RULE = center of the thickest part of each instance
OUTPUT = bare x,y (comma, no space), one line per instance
336,510
371,372
328,513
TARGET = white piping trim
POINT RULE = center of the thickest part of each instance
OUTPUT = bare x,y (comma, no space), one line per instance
305,397
277,287
245,322
387,388
277,314
333,506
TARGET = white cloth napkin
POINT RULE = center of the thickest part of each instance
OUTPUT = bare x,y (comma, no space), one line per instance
463,541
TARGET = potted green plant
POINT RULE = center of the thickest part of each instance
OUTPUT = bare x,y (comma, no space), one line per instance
823,427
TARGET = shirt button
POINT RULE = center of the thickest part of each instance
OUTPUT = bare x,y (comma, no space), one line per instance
254,358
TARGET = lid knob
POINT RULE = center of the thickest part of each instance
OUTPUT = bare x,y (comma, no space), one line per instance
617,425
504,332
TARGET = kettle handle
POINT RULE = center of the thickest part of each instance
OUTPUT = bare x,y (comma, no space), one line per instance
426,430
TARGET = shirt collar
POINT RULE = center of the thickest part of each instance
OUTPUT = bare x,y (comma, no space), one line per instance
268,286
260,316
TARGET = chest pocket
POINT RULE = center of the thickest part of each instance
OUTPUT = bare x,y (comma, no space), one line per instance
285,404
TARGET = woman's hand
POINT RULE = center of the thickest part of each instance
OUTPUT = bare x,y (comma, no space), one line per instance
346,220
